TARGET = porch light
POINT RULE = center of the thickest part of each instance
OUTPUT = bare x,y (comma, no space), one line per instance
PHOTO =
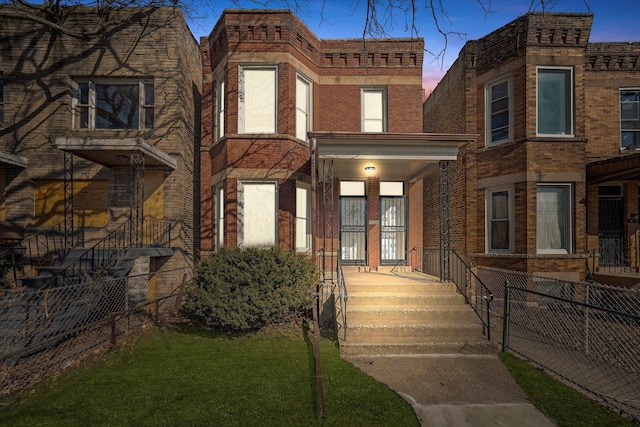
370,169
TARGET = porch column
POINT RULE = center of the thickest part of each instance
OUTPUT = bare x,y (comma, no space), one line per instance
373,226
68,199
137,198
444,224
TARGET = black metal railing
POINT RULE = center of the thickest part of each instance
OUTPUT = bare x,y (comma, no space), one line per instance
476,294
156,233
341,313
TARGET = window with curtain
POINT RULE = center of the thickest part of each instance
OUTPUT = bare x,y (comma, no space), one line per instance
499,111
303,107
257,100
630,118
258,214
555,101
303,220
220,100
374,110
554,218
500,221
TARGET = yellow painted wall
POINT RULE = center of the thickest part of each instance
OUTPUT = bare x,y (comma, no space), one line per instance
90,199
154,194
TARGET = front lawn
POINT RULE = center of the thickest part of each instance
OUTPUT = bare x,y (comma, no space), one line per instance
187,376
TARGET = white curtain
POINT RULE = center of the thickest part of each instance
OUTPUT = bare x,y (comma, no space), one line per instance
551,218
259,100
259,214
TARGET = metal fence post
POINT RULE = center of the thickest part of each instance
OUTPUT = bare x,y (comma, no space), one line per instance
505,317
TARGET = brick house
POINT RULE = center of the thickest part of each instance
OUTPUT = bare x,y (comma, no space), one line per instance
99,132
313,145
554,172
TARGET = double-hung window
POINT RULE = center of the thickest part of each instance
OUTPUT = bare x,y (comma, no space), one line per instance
554,223
1,103
499,111
555,101
374,109
115,104
303,107
630,118
257,99
303,217
219,217
258,213
220,99
500,221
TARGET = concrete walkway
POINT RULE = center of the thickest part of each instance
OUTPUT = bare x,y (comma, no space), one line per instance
455,390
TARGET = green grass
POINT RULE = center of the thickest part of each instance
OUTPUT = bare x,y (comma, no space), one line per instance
188,376
559,402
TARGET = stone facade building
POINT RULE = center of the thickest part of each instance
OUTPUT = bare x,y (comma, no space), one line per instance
99,129
553,176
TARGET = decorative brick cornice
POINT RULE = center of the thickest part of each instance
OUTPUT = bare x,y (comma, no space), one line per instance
613,57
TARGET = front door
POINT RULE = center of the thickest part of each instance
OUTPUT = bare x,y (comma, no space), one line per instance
611,232
353,230
393,229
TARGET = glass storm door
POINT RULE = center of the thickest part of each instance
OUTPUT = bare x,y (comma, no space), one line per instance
353,230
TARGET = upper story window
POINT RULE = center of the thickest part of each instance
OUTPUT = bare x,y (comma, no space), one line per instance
499,111
115,104
555,101
303,107
1,103
554,218
630,118
374,109
220,100
257,99
500,221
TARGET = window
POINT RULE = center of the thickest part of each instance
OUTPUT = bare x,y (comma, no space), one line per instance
630,118
257,100
1,103
499,111
220,99
303,107
303,220
500,222
257,214
554,218
352,188
219,217
374,110
555,101
115,105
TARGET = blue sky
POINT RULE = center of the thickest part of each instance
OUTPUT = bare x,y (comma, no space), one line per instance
614,20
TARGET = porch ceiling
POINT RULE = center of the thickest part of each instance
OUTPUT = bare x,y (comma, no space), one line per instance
395,156
12,160
112,152
614,169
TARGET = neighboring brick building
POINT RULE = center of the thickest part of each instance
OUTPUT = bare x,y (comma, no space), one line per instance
554,173
278,103
123,106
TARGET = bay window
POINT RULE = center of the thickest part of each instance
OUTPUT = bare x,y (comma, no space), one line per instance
555,101
554,218
257,99
499,111
257,213
500,221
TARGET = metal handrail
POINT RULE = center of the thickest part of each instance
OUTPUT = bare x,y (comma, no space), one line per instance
342,294
40,249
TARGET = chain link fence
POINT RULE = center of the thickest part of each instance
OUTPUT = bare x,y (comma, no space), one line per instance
44,331
586,333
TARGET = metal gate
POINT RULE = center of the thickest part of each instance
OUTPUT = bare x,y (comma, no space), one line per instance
393,229
611,232
353,230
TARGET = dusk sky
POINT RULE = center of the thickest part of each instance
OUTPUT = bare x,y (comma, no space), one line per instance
614,20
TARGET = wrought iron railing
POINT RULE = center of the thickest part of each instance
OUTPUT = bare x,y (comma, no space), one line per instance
476,294
618,255
156,233
38,250
341,313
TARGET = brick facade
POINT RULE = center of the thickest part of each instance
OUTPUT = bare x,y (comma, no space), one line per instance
514,52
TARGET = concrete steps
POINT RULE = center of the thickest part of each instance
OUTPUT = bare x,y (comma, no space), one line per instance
408,313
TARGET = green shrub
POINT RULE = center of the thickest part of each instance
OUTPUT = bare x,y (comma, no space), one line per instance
247,289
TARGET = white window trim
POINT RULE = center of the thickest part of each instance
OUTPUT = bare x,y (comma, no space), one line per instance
220,209
624,89
241,207
571,231
75,121
309,106
381,89
221,98
571,107
511,217
241,96
487,109
307,188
